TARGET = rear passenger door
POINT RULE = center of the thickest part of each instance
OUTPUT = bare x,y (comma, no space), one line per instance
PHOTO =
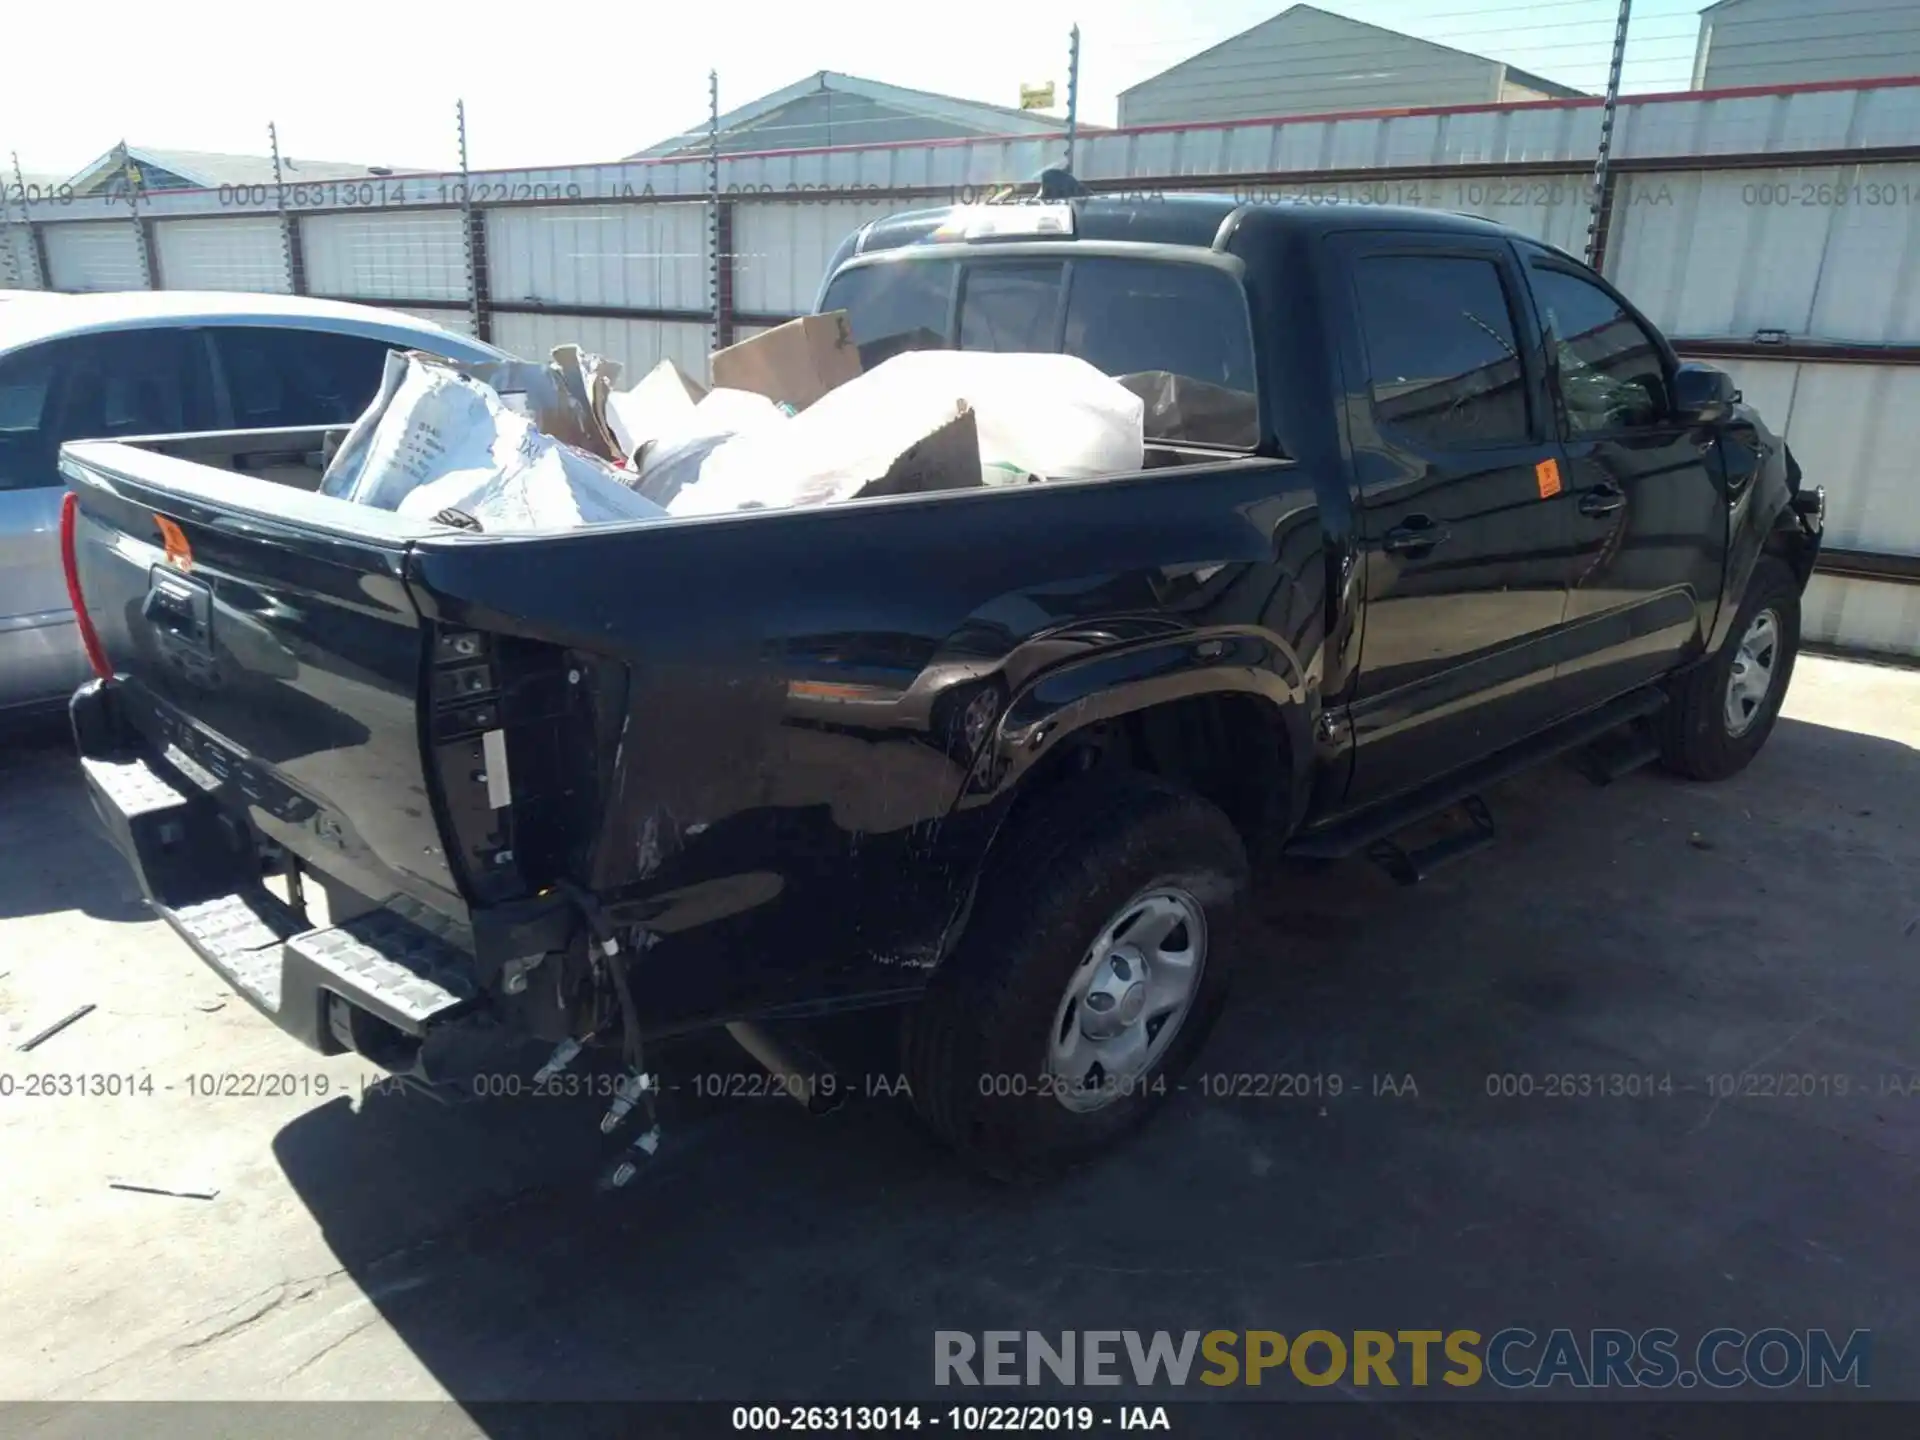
273,377
1648,494
1463,525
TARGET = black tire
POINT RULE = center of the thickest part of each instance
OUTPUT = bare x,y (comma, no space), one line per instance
1063,870
1695,738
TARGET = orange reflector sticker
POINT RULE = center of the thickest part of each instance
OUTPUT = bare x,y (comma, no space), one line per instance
1547,472
174,540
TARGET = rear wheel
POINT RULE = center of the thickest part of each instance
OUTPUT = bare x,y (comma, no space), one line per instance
1720,713
1095,962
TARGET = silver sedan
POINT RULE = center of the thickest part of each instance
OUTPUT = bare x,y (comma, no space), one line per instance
76,367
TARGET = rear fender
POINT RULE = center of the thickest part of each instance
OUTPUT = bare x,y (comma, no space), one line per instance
1060,709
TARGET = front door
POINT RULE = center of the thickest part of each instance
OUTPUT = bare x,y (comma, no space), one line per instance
1461,510
1649,502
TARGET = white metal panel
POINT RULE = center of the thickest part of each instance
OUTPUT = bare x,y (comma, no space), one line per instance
638,345
459,321
1854,429
401,255
244,252
94,255
648,257
1826,253
1553,208
1869,288
1861,615
781,249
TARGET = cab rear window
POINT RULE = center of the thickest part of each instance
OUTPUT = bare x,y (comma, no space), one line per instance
1177,334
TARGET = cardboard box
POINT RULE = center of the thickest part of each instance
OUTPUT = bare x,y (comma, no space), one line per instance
795,363
946,459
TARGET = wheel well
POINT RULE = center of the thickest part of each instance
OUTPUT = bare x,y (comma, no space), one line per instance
1232,750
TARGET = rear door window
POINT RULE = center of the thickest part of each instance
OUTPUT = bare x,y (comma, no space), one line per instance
280,377
1442,351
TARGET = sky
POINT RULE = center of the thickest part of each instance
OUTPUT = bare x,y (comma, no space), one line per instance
375,81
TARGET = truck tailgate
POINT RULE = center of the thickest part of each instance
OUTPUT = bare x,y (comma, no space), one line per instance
267,670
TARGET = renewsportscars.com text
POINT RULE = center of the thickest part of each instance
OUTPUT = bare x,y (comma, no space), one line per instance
1512,1358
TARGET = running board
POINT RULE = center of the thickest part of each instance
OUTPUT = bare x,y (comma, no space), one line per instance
1410,867
1618,753
1381,822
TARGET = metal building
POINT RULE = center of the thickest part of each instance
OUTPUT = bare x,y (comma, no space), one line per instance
1305,61
828,108
1793,42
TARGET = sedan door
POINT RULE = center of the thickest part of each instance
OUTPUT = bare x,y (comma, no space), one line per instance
1459,507
85,387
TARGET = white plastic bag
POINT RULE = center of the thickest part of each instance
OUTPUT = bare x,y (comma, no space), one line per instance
1052,416
674,458
435,439
824,454
662,402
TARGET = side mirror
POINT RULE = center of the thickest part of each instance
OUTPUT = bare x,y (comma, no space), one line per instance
1703,395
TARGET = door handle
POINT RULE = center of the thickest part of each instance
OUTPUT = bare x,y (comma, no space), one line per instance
1415,534
1602,500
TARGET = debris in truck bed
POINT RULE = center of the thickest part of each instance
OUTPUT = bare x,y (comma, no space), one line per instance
1051,416
57,1026
663,401
672,459
1179,407
441,441
796,363
436,438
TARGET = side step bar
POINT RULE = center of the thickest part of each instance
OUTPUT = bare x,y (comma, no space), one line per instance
1380,822
1410,867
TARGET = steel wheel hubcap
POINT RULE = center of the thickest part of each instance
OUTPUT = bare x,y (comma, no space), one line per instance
1752,677
1127,998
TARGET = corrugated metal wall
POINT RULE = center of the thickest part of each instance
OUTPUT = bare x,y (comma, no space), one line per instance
395,255
1795,212
638,345
639,257
94,255
245,253
781,249
1829,252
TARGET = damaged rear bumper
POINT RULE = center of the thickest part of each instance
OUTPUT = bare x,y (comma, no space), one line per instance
375,983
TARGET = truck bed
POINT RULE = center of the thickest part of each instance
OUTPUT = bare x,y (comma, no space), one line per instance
777,741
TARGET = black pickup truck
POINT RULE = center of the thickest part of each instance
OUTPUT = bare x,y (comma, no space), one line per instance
1425,502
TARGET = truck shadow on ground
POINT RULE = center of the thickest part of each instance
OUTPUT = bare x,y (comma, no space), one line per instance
1340,1158
53,854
